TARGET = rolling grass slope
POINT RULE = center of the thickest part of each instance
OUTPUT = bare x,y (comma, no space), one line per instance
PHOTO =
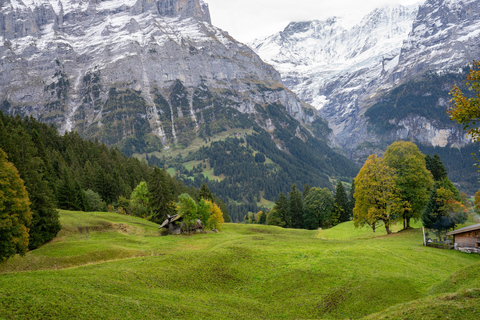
123,269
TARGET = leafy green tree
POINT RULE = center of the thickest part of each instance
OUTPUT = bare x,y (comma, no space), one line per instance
250,218
187,209
436,167
204,210
139,200
93,201
15,214
161,201
412,179
341,203
376,196
275,218
296,208
319,206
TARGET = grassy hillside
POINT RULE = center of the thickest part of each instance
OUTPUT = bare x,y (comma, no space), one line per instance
122,269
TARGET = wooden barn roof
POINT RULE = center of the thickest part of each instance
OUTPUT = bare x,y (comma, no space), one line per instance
466,229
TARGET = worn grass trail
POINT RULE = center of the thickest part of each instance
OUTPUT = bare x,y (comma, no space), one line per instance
122,269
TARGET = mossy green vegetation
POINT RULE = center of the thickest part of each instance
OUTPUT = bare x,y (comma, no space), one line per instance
122,269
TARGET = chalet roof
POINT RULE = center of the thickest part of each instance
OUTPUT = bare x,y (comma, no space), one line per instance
466,229
169,220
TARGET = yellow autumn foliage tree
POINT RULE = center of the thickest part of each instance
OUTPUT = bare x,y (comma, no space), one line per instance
376,196
216,217
465,110
15,214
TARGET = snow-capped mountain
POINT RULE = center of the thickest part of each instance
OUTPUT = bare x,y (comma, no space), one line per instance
312,54
343,71
76,63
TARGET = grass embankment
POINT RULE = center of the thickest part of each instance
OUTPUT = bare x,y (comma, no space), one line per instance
122,269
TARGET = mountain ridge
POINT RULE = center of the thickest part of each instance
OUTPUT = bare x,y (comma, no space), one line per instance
157,80
400,48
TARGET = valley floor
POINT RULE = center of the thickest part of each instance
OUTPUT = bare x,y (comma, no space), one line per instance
109,266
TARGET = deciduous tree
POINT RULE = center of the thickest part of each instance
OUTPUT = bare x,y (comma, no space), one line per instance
187,209
412,179
93,200
465,110
274,218
216,218
139,200
15,214
319,206
204,210
376,197
476,202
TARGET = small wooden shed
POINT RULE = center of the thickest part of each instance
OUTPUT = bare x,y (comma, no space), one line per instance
467,239
175,224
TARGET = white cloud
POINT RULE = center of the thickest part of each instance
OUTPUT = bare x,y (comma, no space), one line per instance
249,19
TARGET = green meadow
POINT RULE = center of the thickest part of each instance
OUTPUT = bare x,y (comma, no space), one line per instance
110,266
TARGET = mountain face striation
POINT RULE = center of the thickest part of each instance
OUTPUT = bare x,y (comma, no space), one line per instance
156,78
71,62
385,78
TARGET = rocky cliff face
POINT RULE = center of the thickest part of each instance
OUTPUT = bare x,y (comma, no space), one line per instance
116,69
345,71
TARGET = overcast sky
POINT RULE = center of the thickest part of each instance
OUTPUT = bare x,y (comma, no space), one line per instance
247,20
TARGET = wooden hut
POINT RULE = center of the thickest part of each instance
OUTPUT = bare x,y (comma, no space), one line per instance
467,239
175,224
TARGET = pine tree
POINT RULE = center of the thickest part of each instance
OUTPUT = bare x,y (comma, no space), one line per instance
296,208
282,212
15,214
306,190
205,193
444,210
161,201
341,203
436,167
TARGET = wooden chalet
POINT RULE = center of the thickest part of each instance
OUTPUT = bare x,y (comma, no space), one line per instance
467,239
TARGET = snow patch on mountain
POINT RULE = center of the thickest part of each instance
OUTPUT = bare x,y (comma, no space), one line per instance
312,54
